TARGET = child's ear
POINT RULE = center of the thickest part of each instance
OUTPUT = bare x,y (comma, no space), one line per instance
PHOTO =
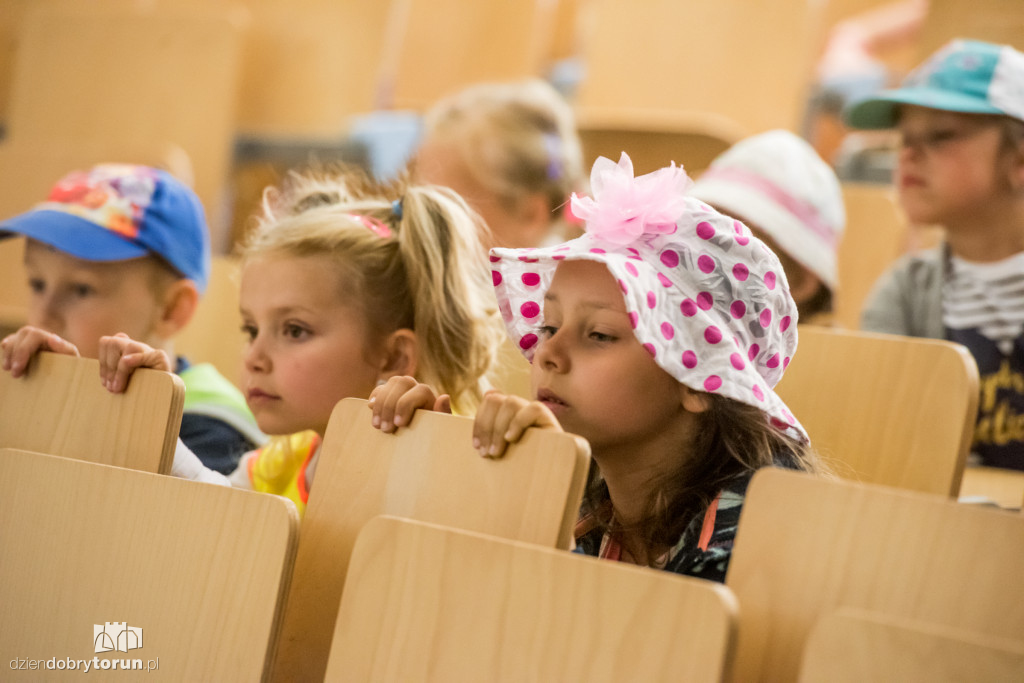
177,307
693,401
399,356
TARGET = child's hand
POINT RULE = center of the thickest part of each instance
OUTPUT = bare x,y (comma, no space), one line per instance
19,347
503,418
394,402
121,355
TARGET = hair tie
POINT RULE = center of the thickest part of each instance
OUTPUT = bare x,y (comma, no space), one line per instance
552,146
372,224
396,208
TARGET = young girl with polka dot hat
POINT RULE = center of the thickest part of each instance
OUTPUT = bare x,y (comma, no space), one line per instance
658,336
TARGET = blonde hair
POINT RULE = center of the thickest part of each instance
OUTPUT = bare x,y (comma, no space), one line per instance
411,257
516,139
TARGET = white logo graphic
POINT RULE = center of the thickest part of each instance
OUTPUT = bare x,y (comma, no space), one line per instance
116,636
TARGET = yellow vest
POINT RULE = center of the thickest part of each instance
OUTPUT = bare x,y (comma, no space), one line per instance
280,466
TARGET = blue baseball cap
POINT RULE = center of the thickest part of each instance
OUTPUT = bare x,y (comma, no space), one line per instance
965,76
116,212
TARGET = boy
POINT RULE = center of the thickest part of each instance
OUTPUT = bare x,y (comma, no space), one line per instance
125,249
961,166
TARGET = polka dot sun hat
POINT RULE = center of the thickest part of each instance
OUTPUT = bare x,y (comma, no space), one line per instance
708,300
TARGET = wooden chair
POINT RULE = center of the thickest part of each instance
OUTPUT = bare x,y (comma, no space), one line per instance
121,74
885,409
444,45
428,471
997,21
807,546
431,603
60,407
214,333
876,235
1003,487
854,646
653,140
198,570
749,63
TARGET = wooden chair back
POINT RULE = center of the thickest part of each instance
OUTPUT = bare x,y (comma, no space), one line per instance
431,603
885,409
653,140
193,574
60,407
309,65
128,73
996,21
427,471
876,235
854,646
442,46
997,485
747,62
214,333
808,545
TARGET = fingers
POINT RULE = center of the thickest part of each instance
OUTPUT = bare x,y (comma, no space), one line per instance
120,356
503,419
394,402
19,348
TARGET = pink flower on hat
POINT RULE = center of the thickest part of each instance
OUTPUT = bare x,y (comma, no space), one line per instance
624,208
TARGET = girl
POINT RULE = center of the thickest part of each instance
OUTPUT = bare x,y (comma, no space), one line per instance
512,151
657,336
961,165
341,289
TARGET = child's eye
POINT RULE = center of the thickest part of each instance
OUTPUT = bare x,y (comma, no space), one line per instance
82,290
293,331
249,331
36,285
546,331
602,337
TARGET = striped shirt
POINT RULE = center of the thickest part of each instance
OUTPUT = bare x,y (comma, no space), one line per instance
987,297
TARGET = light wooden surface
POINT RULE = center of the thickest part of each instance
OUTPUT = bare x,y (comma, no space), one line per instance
876,235
749,62
199,568
214,335
1000,486
807,546
885,409
430,603
308,65
430,472
130,73
854,646
441,46
692,139
996,21
61,408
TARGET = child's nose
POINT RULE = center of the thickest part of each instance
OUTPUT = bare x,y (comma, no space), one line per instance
552,354
255,357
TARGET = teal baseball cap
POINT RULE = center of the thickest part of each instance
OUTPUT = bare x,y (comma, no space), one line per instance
965,76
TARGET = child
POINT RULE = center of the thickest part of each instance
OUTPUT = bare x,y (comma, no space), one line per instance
512,151
123,248
342,289
778,186
961,166
657,336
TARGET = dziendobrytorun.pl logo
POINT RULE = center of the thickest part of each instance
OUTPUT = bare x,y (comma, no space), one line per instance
107,637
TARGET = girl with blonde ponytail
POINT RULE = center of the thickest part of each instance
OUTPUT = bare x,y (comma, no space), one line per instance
344,285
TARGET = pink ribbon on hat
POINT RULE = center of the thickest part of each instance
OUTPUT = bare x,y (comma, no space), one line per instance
804,211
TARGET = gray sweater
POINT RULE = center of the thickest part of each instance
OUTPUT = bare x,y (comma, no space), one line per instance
907,299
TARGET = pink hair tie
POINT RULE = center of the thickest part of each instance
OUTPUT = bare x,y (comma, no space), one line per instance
374,225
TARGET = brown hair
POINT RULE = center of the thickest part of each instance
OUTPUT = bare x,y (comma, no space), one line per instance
733,438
